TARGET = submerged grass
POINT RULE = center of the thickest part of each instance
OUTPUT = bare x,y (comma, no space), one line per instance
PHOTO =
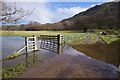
15,54
13,72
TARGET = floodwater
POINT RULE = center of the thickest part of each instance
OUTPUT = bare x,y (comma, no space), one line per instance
11,45
70,63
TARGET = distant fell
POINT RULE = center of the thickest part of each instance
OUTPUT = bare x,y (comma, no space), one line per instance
100,16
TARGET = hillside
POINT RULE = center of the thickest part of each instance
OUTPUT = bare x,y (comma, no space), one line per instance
100,16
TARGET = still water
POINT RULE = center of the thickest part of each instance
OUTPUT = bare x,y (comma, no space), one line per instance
11,45
69,63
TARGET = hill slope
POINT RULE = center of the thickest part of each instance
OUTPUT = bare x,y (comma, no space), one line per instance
100,16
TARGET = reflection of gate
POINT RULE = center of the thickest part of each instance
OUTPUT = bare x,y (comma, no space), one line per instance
31,59
52,43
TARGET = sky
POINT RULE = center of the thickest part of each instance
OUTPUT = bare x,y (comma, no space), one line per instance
52,12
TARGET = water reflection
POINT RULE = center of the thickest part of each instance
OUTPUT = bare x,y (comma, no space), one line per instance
51,45
31,58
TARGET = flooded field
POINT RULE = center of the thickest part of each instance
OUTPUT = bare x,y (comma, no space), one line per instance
11,45
70,63
104,52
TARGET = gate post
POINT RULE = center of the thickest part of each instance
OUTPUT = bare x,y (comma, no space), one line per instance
26,44
58,36
34,43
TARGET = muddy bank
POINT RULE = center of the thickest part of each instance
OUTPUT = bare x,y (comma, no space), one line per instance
100,51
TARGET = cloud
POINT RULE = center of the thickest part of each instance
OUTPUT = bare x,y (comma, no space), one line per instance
43,13
93,5
63,13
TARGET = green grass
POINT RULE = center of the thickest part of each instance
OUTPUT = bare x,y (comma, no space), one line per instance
13,56
73,36
111,34
98,30
105,30
31,33
109,38
68,35
95,38
79,40
27,33
13,71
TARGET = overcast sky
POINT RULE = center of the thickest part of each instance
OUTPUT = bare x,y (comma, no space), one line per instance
51,12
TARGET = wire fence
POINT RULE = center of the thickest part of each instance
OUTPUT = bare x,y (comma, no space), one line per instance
69,37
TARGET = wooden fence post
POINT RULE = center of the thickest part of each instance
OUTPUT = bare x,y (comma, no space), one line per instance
26,44
58,36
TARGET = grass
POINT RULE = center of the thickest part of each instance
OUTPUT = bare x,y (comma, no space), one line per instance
31,33
15,54
95,38
73,36
79,40
26,33
13,72
12,56
112,34
108,31
98,30
109,38
68,35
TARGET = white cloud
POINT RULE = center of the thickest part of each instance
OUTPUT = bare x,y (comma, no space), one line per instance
43,13
93,5
63,13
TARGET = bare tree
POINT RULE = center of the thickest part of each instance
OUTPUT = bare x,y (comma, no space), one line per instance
12,14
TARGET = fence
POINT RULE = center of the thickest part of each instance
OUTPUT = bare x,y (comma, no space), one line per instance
50,39
30,44
70,37
52,43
